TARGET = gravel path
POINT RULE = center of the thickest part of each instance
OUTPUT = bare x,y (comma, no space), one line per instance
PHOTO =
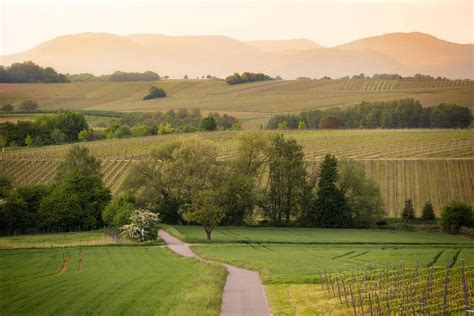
244,293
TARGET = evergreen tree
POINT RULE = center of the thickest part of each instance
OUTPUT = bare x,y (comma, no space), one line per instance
428,212
408,212
330,208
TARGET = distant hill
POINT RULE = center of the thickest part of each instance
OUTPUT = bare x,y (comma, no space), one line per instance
282,45
102,53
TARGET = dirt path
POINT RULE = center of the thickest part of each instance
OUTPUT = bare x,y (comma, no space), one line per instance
244,293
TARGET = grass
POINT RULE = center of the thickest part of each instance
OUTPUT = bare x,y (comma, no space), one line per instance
195,234
90,238
114,280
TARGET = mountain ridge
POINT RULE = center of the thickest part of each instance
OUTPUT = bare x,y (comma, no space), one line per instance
220,55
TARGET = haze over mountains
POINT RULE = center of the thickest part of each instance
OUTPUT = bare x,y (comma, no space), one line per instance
103,53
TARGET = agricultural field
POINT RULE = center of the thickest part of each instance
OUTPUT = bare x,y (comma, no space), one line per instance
424,165
107,281
253,102
298,264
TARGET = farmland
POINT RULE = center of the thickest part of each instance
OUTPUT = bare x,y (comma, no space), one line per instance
423,165
294,262
108,281
253,103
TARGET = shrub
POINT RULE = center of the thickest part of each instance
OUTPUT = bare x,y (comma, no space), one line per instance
428,212
143,226
6,108
119,210
331,122
29,105
455,215
155,93
408,212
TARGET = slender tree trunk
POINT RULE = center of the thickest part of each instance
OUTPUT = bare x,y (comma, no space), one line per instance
208,232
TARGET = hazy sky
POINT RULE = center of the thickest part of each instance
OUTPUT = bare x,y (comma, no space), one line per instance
26,23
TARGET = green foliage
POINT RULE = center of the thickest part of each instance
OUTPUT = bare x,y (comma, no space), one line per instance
28,140
362,194
246,77
403,113
205,210
78,161
208,124
5,185
155,93
141,130
117,212
121,76
330,208
455,215
428,212
143,226
408,212
123,132
286,181
46,129
301,125
29,72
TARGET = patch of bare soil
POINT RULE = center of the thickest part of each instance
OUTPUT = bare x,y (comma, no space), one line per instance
67,257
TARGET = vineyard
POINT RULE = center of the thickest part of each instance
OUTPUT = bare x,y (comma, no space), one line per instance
259,99
424,165
401,291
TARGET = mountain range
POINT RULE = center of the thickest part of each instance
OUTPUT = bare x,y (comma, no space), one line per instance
104,53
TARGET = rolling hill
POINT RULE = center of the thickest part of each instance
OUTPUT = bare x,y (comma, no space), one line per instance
102,53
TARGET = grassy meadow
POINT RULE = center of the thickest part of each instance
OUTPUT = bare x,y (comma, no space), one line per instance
107,281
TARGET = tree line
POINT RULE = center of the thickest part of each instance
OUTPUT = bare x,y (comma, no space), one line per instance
117,76
245,77
403,113
30,72
70,127
184,182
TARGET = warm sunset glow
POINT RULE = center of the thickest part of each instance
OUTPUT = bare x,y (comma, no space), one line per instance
27,23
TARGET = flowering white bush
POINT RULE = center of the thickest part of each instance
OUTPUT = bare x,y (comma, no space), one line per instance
142,227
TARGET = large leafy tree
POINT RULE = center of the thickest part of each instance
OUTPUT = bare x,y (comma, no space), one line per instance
78,195
286,181
330,208
362,194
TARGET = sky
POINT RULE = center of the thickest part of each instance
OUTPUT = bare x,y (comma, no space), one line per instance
27,23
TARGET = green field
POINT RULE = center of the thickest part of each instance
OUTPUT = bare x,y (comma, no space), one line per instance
90,238
290,266
435,165
289,235
110,281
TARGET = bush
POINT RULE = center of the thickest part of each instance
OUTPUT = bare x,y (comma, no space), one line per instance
428,212
455,215
118,211
143,226
29,105
466,231
408,212
246,77
155,93
6,108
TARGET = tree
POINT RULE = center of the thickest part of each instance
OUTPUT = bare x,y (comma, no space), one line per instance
28,140
301,125
408,212
205,210
286,181
7,108
78,161
83,135
123,132
186,77
118,211
282,125
58,137
208,124
362,194
29,106
330,207
331,122
142,227
155,93
428,212
455,215
140,130
5,185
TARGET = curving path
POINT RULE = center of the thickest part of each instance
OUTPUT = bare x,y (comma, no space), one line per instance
244,293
